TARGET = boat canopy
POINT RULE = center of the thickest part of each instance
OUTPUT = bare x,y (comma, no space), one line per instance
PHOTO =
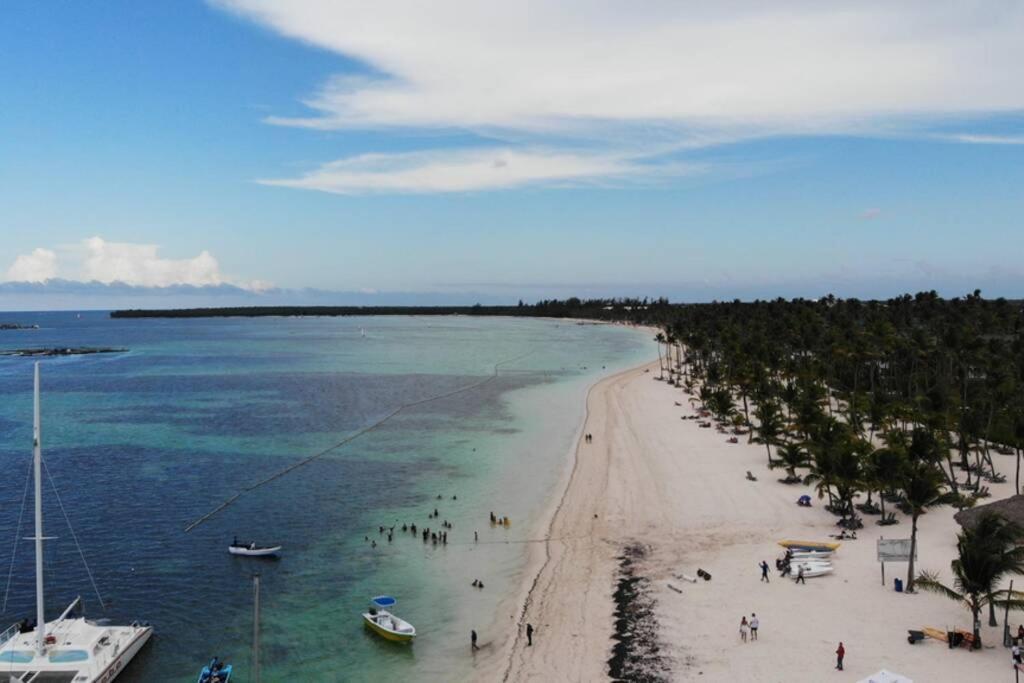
383,601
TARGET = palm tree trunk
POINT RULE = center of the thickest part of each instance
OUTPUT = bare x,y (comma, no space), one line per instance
992,614
1017,479
975,610
913,551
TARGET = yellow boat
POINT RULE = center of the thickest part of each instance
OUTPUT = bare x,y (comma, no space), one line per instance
385,624
809,545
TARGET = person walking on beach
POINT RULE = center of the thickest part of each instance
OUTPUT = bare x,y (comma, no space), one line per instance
754,624
840,653
800,575
743,628
529,635
764,572
472,641
1015,652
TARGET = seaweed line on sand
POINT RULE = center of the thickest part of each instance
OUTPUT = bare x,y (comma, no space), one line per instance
636,654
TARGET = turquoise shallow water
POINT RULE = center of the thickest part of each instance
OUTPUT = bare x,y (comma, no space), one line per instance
140,443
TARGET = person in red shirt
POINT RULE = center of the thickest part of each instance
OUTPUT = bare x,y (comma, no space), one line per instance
840,653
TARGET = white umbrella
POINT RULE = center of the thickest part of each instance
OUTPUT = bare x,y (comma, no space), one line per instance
884,676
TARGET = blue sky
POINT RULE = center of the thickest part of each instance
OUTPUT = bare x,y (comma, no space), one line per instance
480,151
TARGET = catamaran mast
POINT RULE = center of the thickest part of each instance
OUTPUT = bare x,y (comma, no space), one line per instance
256,628
37,458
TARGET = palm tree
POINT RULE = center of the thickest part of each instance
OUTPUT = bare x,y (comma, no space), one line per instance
985,553
791,456
887,465
921,485
660,339
769,425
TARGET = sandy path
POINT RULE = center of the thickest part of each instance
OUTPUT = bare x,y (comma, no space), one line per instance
652,478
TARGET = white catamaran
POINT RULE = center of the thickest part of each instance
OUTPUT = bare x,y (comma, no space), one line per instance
69,649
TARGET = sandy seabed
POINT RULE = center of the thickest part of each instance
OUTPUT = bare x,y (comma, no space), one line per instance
658,497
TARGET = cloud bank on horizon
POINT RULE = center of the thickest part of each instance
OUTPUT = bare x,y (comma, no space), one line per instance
585,92
136,265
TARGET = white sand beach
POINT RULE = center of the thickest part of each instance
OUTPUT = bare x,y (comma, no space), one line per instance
653,479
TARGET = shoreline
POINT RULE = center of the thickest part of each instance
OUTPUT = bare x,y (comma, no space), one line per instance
679,492
506,663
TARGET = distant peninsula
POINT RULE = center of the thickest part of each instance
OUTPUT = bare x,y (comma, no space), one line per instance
606,309
80,351
17,326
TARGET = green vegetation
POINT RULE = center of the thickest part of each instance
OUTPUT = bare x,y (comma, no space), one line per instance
986,552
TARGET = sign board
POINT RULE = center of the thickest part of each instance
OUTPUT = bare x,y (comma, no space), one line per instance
894,550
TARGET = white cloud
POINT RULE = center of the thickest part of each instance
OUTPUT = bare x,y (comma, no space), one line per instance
870,214
137,265
791,65
469,170
38,266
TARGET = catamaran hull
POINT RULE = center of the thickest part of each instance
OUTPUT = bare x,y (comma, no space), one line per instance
124,657
385,633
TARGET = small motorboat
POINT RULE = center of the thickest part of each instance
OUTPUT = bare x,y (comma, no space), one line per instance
381,621
215,672
252,550
809,545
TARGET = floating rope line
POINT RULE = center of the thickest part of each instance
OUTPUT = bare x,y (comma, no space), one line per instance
74,536
17,531
352,437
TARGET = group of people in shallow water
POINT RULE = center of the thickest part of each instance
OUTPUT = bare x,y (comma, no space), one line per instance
429,535
500,521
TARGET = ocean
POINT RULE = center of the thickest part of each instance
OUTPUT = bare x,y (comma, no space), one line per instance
465,415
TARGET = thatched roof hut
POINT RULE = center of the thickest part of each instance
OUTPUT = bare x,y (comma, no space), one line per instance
1011,508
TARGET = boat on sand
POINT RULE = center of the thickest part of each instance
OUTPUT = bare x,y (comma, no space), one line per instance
809,545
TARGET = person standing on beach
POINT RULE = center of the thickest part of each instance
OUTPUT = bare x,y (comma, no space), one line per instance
800,575
529,635
764,572
754,624
840,653
743,628
472,641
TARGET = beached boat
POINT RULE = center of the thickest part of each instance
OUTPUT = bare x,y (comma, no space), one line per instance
253,550
215,672
810,555
810,545
69,648
381,621
812,569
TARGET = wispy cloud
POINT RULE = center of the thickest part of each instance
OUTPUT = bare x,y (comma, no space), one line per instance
611,73
870,214
979,139
136,265
474,169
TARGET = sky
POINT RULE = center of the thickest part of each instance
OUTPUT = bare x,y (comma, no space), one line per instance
298,150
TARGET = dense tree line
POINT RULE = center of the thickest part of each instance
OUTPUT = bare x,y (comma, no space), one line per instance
909,401
595,309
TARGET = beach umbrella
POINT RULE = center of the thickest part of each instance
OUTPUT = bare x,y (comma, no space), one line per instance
884,676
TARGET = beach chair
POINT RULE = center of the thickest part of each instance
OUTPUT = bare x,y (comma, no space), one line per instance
914,636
